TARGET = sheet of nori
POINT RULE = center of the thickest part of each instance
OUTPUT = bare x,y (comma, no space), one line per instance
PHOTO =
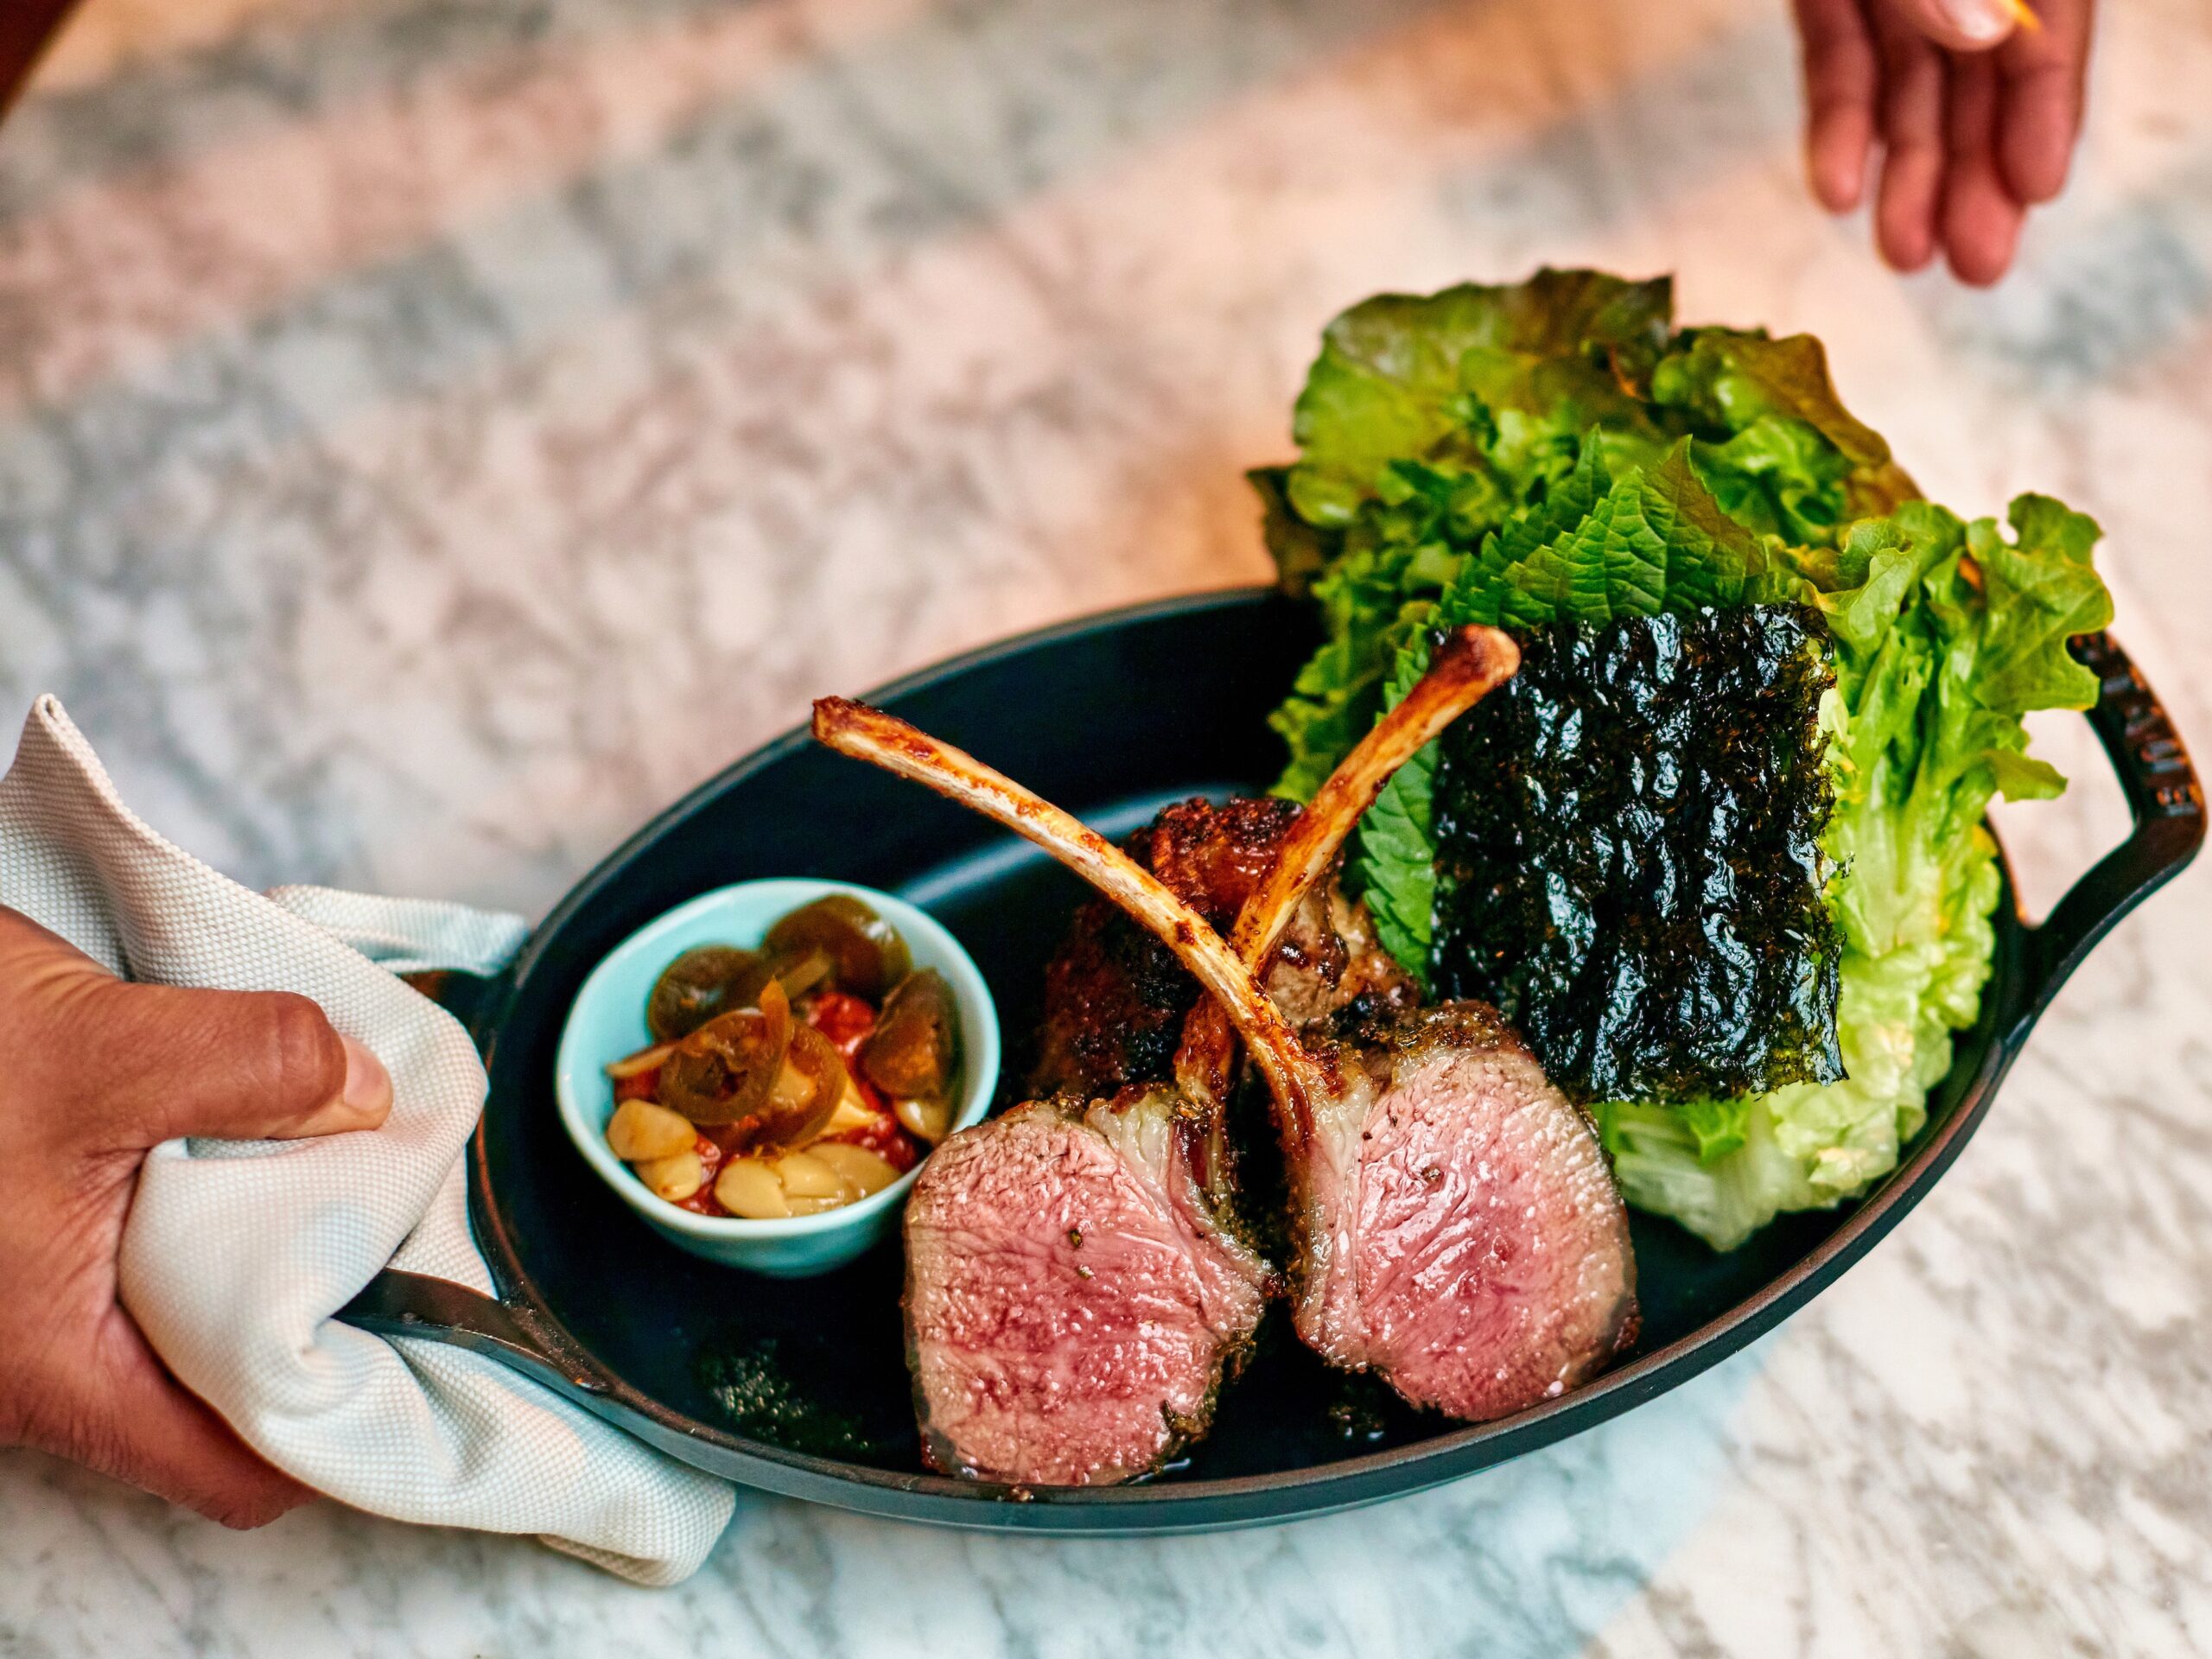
1628,865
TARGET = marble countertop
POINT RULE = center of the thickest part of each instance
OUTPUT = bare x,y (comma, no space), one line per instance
434,435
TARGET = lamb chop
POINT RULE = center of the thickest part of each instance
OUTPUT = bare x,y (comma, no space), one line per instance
1073,1300
1074,1295
1027,1366
1455,1224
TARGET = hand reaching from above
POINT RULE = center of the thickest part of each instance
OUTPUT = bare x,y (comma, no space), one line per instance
1975,109
98,1071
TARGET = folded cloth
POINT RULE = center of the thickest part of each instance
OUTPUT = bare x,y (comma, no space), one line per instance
237,1254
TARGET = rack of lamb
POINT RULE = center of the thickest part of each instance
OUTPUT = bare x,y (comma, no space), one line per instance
1076,1292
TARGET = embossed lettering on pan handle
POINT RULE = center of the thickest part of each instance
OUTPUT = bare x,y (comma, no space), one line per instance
2165,799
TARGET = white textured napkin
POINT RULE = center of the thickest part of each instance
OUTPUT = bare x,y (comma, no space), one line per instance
237,1254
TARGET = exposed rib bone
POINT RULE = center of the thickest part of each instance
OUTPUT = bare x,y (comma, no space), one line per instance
1469,664
885,741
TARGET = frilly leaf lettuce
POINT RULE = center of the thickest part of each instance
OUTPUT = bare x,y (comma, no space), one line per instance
1732,379
1547,450
1497,379
1936,659
1425,424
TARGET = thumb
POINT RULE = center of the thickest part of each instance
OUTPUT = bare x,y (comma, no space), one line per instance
1965,25
239,1065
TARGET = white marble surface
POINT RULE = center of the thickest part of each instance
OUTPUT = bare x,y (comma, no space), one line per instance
433,433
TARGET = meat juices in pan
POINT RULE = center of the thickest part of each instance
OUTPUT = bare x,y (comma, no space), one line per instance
1456,1225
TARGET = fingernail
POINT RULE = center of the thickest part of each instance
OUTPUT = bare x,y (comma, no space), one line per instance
1983,22
368,1085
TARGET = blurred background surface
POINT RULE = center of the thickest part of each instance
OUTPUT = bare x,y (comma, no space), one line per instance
434,434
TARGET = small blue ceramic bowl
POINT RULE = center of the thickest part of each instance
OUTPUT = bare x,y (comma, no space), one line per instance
608,1022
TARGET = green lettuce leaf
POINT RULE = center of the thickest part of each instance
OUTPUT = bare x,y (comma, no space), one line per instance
1428,423
1374,596
1425,425
1499,377
1735,378
1549,448
1778,477
1936,662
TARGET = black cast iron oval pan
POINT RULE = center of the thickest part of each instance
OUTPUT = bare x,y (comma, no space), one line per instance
802,1387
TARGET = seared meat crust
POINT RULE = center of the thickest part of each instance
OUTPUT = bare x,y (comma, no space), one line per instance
1115,997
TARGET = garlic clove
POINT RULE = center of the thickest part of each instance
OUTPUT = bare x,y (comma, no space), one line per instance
805,1176
927,1119
749,1187
640,1131
864,1171
674,1179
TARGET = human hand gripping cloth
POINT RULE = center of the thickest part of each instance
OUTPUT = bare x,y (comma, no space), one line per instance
237,1254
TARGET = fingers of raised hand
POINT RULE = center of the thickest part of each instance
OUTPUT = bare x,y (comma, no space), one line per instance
1960,25
1842,77
1976,116
1980,217
2043,74
1913,85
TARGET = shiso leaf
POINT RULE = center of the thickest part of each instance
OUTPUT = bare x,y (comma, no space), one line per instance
1655,540
1595,549
1398,864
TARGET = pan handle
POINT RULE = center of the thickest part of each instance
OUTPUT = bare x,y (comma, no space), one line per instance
2163,798
400,1303
472,999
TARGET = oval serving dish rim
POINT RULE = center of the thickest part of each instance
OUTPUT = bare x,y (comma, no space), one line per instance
1283,1494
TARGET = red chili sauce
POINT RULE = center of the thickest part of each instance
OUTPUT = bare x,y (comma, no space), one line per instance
846,1020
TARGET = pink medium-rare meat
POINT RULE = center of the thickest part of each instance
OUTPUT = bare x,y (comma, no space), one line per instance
1455,1226
1073,1296
1459,1230
1455,1222
1071,1303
